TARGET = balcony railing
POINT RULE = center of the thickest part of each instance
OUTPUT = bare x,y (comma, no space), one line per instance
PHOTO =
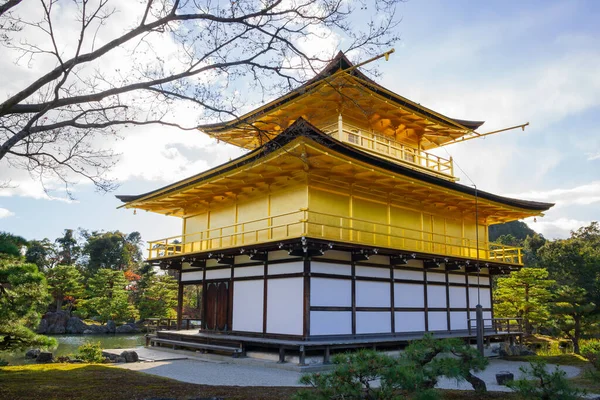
392,149
336,228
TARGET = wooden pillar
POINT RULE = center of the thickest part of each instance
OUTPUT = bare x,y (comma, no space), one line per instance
306,301
179,299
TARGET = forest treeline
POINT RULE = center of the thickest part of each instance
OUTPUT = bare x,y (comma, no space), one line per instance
90,274
557,293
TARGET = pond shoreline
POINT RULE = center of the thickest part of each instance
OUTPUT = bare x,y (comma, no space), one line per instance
68,344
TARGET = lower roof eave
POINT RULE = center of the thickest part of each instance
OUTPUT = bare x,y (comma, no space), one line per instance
315,246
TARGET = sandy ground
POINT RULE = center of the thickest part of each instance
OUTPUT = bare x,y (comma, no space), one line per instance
231,372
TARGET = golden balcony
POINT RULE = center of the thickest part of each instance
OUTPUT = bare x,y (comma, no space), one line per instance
305,223
392,150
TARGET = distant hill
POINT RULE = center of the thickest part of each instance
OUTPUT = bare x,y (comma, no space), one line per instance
518,229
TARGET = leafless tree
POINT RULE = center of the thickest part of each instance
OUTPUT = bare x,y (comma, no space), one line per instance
217,49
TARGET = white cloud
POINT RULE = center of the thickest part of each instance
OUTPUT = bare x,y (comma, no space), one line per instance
555,228
579,195
4,213
593,156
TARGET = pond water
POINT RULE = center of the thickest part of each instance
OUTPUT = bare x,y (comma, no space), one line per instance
68,344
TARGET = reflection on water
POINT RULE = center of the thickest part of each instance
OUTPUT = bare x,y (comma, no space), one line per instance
68,344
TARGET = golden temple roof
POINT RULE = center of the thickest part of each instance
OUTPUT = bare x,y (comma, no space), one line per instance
303,150
341,89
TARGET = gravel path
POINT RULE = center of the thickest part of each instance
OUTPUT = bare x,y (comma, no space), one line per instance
218,374
231,374
496,366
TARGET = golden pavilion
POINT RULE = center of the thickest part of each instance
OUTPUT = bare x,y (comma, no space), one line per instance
338,228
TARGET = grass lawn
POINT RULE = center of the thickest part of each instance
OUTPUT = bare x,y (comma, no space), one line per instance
79,381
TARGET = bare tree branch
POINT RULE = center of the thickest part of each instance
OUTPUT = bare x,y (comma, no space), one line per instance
205,53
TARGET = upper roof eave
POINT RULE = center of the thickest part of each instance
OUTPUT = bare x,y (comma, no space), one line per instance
341,62
303,128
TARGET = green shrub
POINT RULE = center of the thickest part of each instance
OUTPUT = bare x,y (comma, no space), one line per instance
90,352
415,371
540,384
590,349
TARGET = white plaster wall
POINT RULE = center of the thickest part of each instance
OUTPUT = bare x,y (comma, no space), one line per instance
408,295
255,270
286,268
438,321
487,315
483,280
330,268
458,320
484,294
285,302
413,275
456,278
372,272
458,297
485,298
409,321
436,277
373,322
330,292
372,294
330,323
248,306
218,274
436,296
192,276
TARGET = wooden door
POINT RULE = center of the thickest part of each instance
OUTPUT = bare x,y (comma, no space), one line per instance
217,306
222,306
211,306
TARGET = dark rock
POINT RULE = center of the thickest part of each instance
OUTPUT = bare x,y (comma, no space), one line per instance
96,329
503,377
130,356
32,353
113,358
515,350
76,361
54,323
44,357
42,327
76,326
125,329
111,326
88,332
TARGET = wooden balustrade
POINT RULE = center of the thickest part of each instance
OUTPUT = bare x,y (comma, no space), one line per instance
333,227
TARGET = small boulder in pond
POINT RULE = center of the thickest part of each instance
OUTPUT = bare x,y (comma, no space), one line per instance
125,329
76,326
111,326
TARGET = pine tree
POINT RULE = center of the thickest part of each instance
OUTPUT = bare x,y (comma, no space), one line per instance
107,296
524,294
63,281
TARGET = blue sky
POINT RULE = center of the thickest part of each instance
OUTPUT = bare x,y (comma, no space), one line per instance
505,62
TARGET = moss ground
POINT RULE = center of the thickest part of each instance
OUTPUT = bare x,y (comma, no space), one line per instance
94,382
